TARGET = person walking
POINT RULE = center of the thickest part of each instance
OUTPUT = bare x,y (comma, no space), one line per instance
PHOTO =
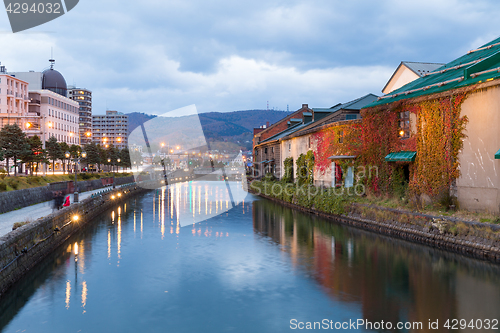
67,202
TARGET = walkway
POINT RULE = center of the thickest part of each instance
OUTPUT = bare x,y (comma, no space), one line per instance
34,212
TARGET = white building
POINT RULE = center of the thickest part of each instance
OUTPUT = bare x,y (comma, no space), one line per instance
59,116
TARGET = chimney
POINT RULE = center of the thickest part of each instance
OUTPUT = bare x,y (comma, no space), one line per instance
267,124
305,106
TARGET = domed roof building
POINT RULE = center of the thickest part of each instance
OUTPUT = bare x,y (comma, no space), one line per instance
54,81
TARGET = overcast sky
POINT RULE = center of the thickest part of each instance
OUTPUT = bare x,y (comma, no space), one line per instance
154,56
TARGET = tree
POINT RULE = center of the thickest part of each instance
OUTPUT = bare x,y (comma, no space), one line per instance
135,157
54,151
103,156
64,148
14,144
125,158
35,154
112,154
93,156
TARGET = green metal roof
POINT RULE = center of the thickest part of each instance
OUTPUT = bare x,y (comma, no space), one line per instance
497,155
480,65
401,156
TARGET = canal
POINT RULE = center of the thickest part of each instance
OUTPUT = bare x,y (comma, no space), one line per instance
257,267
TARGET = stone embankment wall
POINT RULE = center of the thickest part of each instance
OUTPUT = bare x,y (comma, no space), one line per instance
23,248
22,198
473,239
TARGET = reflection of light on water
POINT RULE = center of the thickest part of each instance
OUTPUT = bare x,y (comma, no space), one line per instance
109,243
141,223
162,207
119,234
199,200
80,251
76,248
68,293
134,222
112,216
84,294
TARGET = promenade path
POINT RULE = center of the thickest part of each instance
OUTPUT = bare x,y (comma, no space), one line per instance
34,212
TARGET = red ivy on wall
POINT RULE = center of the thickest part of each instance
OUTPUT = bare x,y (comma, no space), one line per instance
341,139
437,141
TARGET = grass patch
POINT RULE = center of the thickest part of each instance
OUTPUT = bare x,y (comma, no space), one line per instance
22,182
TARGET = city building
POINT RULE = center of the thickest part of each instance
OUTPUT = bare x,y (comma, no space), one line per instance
110,129
325,120
447,141
14,101
84,98
49,112
58,116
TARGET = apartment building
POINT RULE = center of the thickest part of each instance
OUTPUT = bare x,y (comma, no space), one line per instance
84,98
110,129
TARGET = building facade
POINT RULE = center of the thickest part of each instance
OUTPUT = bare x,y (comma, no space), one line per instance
58,116
14,102
84,98
110,129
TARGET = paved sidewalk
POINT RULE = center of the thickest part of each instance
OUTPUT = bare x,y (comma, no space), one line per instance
34,212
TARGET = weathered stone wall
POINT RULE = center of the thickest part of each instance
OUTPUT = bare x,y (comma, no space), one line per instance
22,198
23,248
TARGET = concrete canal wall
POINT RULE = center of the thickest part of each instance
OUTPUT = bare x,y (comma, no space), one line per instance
473,239
22,198
23,248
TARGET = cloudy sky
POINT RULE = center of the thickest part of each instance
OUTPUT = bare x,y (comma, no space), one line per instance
158,55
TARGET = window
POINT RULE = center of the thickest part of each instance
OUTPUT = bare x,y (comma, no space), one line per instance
404,124
341,136
272,150
289,147
265,150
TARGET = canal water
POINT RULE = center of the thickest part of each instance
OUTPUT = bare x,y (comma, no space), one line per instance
257,267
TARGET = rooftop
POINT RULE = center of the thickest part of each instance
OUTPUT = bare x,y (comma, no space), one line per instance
476,66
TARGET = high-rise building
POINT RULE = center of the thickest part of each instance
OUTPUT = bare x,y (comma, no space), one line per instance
84,98
110,129
49,112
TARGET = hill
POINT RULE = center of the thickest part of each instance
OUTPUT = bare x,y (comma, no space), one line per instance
221,129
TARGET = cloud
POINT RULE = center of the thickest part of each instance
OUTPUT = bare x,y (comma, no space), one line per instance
154,56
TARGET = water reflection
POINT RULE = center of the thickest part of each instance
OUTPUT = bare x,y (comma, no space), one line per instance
250,269
391,280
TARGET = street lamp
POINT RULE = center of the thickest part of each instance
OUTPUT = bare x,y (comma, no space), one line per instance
83,154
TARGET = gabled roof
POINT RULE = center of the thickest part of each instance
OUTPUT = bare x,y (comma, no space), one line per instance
422,68
356,104
418,68
477,66
282,134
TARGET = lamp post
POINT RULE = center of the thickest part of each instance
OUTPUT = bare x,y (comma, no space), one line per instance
76,160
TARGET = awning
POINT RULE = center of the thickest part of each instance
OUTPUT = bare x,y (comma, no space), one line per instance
341,157
401,156
497,155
